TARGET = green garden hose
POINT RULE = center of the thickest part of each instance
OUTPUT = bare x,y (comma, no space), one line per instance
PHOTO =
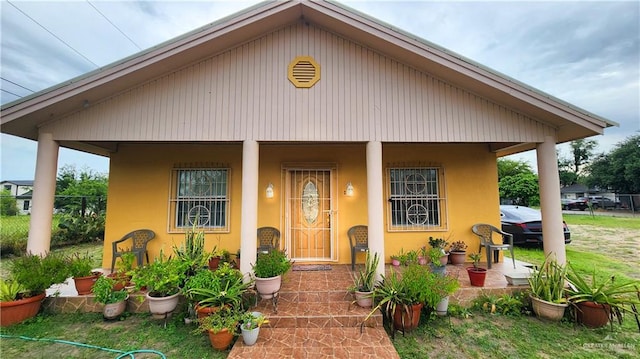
122,353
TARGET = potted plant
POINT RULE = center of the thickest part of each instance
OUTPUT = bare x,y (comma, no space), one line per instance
192,252
458,252
268,271
364,281
441,244
477,275
390,297
444,286
210,290
162,278
411,258
81,269
115,301
436,264
597,301
423,256
31,275
547,290
124,270
250,326
220,326
395,260
400,299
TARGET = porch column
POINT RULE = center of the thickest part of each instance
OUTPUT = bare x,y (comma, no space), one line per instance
551,208
249,212
44,190
375,202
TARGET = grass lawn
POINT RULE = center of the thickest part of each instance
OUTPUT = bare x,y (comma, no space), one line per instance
132,333
498,336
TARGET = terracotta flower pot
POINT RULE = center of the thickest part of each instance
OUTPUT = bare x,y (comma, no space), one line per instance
457,258
203,312
407,318
220,340
477,276
122,281
84,285
444,259
18,310
214,262
592,314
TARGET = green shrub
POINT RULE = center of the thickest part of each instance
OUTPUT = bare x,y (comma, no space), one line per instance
36,273
271,264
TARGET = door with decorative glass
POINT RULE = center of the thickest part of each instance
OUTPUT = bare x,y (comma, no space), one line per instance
310,215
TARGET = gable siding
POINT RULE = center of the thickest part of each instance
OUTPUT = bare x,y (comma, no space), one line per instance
244,93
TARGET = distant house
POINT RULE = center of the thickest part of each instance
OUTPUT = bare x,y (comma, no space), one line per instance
22,191
579,190
305,116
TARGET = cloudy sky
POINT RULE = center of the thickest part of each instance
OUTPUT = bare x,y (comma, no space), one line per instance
586,53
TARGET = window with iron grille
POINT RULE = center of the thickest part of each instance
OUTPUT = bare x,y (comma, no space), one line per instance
201,198
415,202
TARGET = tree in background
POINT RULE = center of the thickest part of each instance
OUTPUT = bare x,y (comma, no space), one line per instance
571,169
517,182
8,203
582,152
81,193
82,198
619,170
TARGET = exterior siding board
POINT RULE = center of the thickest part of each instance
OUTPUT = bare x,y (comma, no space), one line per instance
244,93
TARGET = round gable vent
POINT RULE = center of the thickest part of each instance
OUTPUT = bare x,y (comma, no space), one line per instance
304,71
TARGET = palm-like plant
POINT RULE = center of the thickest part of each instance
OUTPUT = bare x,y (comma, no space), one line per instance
547,282
366,278
621,296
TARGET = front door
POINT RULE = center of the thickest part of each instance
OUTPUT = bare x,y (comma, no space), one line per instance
310,215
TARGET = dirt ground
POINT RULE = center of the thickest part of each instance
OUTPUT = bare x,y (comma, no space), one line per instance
620,243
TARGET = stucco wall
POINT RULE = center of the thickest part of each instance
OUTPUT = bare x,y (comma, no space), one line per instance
139,188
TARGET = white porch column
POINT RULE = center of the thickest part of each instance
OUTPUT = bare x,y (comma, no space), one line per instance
44,190
249,213
551,208
375,200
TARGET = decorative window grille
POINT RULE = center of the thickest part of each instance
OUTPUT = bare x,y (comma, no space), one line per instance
415,202
201,199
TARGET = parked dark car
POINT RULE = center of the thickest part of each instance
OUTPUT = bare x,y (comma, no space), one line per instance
603,202
525,224
571,204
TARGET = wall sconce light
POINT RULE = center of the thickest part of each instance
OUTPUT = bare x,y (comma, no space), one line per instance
349,190
269,192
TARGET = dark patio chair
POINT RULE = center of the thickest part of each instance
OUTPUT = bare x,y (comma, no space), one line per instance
139,239
359,241
268,239
485,232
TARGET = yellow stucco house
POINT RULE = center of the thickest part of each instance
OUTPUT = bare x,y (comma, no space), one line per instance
306,116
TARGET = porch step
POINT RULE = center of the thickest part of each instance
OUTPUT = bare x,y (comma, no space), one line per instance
316,299
317,343
316,309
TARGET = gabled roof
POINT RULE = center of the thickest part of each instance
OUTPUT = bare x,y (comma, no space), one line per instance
23,117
